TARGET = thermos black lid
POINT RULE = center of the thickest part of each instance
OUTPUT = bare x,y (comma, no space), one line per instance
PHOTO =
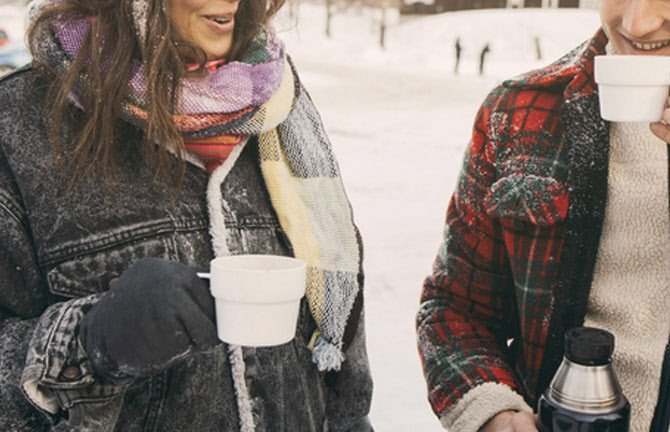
589,346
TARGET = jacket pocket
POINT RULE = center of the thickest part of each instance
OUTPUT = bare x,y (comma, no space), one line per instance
528,199
92,272
257,234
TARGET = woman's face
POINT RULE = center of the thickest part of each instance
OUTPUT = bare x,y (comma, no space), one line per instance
208,24
638,27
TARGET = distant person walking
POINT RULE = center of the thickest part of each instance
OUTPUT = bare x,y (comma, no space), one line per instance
482,58
457,49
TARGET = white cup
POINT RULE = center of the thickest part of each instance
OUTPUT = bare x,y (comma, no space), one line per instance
632,88
257,298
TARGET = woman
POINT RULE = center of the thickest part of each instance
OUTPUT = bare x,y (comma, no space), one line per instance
148,137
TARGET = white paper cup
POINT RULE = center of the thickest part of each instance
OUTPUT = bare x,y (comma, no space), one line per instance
257,298
632,88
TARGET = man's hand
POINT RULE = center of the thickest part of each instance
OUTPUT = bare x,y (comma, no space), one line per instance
511,421
662,128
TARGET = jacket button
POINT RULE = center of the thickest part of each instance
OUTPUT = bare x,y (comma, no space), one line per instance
113,282
71,373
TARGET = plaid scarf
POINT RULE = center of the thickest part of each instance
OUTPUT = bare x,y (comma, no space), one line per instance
259,95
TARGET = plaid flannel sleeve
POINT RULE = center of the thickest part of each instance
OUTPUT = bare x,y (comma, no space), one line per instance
467,309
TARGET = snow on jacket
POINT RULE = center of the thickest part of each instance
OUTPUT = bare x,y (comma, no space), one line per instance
58,253
523,227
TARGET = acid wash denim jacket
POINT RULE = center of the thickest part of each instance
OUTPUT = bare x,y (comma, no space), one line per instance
59,251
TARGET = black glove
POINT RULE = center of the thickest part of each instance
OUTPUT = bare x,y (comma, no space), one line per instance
154,316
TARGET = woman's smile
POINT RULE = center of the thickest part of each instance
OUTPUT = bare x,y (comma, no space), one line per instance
222,23
207,24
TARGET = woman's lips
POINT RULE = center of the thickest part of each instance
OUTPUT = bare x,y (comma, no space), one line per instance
223,23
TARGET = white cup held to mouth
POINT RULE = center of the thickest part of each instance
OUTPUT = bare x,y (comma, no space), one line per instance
257,298
632,88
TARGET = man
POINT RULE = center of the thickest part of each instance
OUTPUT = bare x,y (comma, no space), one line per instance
559,219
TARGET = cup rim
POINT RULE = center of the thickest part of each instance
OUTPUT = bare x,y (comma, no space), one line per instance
236,263
632,70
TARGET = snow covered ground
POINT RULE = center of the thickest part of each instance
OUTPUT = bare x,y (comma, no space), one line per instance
399,120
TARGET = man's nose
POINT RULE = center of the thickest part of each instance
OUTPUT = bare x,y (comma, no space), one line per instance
643,17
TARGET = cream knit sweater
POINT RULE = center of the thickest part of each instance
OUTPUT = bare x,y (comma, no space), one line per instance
631,286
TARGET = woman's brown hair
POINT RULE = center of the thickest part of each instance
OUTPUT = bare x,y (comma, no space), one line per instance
102,98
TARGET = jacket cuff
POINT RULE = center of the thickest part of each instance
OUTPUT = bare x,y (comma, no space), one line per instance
480,404
57,372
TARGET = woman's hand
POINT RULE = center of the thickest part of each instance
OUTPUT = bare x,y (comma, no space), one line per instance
155,314
511,421
662,128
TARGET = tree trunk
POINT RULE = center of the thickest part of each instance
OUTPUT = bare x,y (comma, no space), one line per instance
329,15
292,6
382,29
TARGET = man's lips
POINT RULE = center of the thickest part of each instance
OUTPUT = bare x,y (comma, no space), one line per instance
649,46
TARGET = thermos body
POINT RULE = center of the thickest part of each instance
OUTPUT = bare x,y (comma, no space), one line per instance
585,395
555,418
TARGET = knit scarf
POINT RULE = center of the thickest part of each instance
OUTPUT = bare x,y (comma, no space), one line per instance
259,95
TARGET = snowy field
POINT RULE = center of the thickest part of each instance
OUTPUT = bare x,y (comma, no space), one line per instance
399,120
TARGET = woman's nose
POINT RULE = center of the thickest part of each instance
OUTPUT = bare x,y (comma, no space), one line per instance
642,17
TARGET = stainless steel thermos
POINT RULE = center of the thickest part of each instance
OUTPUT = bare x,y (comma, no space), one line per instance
585,395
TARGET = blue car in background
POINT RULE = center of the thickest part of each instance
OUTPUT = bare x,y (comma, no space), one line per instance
12,54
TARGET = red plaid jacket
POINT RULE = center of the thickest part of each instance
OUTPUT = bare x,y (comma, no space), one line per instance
521,235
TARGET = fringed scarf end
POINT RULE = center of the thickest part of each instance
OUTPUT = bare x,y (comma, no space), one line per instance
326,355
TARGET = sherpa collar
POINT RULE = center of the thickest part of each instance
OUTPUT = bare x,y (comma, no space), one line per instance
572,72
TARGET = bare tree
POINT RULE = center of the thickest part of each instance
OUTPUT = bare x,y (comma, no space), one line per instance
293,8
329,16
382,29
384,7
333,7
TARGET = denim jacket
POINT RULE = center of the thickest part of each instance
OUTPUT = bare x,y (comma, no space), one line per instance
59,251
